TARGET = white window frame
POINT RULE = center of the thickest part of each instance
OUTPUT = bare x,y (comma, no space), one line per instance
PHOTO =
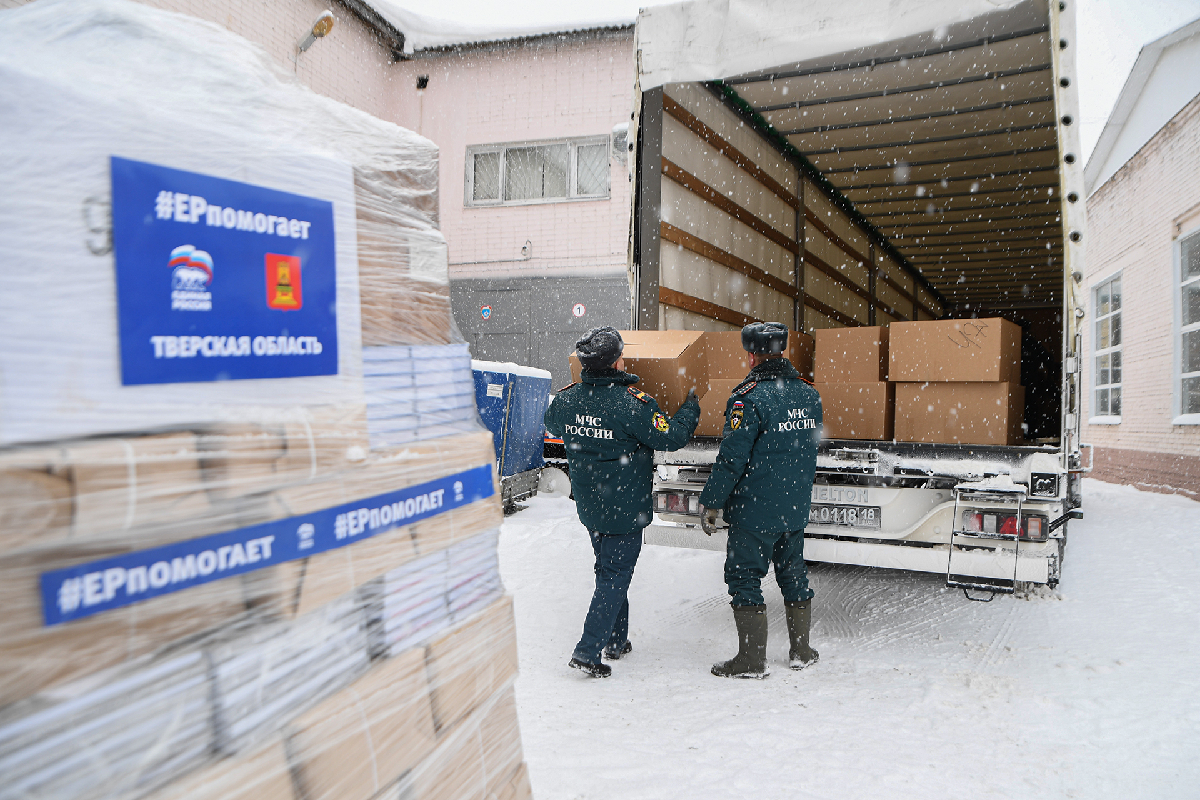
1177,331
572,172
1097,351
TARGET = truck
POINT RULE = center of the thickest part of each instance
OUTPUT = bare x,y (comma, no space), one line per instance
831,165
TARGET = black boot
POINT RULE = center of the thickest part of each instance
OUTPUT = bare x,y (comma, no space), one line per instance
595,670
612,652
751,660
799,616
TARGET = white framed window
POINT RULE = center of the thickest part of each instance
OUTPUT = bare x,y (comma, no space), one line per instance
1187,326
1107,353
522,173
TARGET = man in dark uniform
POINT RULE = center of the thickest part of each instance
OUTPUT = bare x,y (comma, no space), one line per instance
610,430
763,480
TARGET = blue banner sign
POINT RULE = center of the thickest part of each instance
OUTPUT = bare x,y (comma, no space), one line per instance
87,589
220,280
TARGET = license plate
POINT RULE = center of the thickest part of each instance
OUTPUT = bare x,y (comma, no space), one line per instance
845,516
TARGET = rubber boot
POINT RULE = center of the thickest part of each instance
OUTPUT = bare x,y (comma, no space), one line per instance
799,616
612,652
751,660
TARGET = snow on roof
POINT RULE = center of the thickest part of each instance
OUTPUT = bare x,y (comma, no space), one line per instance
430,33
1120,140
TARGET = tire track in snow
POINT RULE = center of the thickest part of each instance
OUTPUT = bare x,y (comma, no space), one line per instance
1016,611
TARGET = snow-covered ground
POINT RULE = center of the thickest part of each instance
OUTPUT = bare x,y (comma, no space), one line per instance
1088,691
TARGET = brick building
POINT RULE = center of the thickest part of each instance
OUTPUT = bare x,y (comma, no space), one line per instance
535,191
1141,367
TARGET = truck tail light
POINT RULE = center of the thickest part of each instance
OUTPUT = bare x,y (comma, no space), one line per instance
1035,528
677,503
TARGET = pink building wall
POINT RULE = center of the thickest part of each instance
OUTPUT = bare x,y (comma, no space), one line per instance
553,86
1135,220
349,65
546,88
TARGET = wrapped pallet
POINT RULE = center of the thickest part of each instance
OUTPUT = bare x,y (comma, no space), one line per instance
248,516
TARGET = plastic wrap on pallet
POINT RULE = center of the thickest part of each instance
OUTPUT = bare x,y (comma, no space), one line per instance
416,393
261,676
110,739
279,588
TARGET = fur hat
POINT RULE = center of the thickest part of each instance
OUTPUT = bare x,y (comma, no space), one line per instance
765,338
599,348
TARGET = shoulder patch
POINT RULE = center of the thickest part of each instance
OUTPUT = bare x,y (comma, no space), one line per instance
568,386
745,388
660,422
640,395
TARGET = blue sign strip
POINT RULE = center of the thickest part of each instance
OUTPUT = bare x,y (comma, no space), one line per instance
87,589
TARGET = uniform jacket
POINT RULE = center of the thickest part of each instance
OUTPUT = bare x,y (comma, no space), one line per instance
610,431
764,471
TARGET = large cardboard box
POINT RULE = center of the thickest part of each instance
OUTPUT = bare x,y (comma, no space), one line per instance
727,359
851,355
712,406
858,410
366,736
669,363
960,413
960,350
471,663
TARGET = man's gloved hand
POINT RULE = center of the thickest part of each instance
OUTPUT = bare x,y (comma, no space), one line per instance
691,397
708,519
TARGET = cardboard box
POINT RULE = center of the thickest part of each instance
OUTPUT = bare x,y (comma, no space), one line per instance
121,484
962,413
471,663
712,406
858,410
35,508
960,350
851,355
481,760
500,733
334,573
237,459
366,736
727,359
669,363
261,775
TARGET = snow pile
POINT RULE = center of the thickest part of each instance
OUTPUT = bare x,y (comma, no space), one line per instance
425,33
1086,691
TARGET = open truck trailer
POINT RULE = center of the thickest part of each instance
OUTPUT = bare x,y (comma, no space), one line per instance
863,163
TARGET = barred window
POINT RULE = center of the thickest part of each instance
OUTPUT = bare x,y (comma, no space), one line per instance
537,172
1107,373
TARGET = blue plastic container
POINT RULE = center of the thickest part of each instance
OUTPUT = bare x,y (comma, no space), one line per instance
512,402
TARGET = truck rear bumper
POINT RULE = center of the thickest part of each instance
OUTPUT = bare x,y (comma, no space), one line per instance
1036,563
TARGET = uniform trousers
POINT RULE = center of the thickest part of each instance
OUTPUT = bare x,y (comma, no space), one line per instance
607,621
750,554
